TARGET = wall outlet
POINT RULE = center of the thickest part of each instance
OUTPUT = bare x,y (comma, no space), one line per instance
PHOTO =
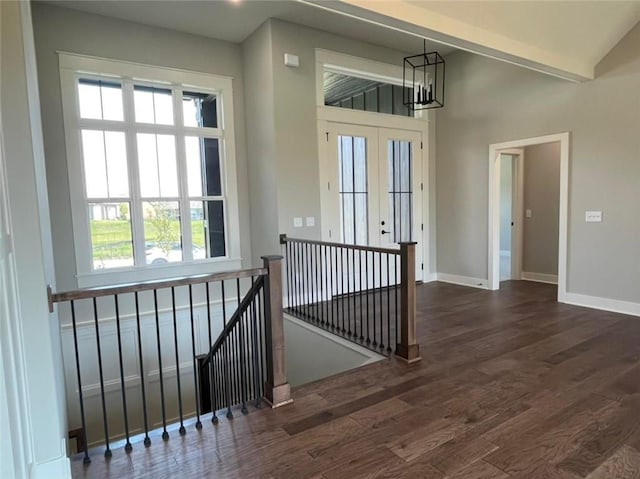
311,221
528,213
297,222
593,216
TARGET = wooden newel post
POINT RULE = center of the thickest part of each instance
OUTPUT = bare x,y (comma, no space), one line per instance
277,390
407,349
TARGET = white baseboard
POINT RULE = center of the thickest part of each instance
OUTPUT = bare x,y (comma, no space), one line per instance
605,304
463,280
429,277
59,468
540,277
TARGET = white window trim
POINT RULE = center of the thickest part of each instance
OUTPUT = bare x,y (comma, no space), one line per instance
73,64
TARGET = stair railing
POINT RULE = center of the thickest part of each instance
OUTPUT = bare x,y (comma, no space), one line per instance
143,359
362,293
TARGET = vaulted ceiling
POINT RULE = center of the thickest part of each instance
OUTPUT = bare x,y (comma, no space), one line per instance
562,38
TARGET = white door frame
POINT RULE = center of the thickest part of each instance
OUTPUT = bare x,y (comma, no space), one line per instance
494,207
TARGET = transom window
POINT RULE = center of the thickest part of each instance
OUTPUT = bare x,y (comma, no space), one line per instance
154,161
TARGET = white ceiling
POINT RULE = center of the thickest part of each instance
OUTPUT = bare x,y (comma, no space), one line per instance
563,38
566,38
234,21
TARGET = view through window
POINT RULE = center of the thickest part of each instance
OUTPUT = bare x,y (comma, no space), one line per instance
153,171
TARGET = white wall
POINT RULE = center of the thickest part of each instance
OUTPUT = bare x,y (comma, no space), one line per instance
34,338
492,102
60,29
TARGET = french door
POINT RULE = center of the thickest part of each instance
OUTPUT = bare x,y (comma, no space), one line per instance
375,195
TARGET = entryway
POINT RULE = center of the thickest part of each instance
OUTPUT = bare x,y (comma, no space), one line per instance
374,188
535,208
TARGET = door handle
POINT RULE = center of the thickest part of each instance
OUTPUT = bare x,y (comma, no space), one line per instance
385,232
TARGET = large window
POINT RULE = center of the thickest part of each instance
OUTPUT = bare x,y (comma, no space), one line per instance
154,159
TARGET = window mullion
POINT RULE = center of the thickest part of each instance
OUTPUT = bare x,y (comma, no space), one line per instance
137,220
183,187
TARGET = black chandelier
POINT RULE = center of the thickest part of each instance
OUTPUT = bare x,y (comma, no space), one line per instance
423,80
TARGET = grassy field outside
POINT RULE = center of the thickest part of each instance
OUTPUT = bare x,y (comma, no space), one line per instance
111,239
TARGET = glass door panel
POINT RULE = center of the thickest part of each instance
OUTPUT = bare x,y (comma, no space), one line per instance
353,189
400,190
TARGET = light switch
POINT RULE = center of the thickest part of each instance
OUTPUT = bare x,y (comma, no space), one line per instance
311,221
593,217
297,222
528,213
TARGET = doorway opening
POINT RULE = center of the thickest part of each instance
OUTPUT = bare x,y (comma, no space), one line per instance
511,165
528,210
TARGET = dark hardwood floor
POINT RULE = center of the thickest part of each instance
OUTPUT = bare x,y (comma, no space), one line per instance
511,385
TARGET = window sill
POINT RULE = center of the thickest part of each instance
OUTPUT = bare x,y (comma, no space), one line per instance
107,277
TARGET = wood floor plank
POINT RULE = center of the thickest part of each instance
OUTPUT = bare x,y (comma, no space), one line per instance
512,385
623,464
480,470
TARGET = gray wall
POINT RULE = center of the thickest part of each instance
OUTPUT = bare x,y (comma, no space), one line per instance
293,119
60,29
261,145
30,337
542,197
490,102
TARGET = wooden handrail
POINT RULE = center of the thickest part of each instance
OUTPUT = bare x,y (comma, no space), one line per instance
242,308
375,249
149,285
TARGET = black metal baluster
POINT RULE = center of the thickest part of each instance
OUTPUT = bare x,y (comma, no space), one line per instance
306,281
127,446
362,292
348,270
373,298
182,430
236,361
225,350
368,290
331,295
254,335
395,267
380,299
354,295
195,361
260,339
342,288
147,439
290,272
165,434
388,307
107,452
243,363
325,284
213,388
86,459
318,290
295,272
208,299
